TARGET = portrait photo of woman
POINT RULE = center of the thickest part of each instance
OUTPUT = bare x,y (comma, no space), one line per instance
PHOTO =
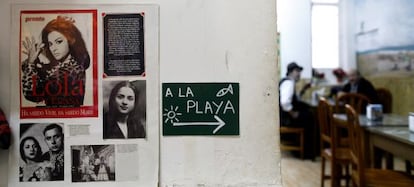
59,79
33,168
125,112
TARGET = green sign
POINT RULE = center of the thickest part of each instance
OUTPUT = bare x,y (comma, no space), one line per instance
200,108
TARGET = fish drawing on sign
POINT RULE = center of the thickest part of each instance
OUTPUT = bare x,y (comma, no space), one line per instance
222,92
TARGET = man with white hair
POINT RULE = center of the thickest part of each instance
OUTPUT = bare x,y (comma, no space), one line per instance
360,85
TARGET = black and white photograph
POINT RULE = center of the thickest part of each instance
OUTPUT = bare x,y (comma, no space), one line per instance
124,109
41,152
93,163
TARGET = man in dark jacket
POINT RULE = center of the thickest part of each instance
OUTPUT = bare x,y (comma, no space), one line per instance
54,138
358,84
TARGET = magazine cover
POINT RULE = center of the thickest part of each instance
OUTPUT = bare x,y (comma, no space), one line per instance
41,152
58,64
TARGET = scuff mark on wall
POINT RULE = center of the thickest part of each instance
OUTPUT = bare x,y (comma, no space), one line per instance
226,60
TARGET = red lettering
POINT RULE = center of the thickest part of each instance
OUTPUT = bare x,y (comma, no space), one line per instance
34,80
34,19
59,88
65,81
47,88
63,101
80,86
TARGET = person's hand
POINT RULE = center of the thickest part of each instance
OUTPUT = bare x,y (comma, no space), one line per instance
32,49
307,86
294,114
304,88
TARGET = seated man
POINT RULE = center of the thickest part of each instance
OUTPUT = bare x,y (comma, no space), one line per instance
358,84
293,112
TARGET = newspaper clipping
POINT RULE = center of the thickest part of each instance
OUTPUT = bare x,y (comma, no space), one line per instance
124,44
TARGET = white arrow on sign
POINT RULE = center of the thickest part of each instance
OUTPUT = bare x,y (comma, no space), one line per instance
220,123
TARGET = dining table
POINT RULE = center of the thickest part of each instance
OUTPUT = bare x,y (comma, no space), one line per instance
388,120
388,136
398,141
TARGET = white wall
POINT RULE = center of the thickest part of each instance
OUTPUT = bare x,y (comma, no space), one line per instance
206,41
294,25
216,40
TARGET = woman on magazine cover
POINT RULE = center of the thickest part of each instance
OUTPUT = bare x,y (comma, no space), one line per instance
59,80
33,168
123,120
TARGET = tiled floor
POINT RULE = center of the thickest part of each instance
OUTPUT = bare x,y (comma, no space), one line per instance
300,173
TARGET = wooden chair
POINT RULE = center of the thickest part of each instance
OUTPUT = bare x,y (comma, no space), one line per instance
292,145
338,156
357,101
385,98
362,176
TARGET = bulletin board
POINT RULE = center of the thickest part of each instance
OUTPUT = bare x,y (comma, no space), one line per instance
85,108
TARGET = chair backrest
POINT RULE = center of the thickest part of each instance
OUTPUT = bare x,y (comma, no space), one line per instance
385,98
356,145
325,122
357,101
